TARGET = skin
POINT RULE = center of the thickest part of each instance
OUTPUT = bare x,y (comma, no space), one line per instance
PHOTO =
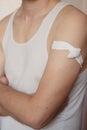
52,89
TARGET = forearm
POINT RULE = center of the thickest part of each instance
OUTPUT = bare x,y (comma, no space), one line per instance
30,109
3,112
16,103
24,108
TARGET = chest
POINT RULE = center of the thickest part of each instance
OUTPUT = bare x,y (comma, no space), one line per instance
24,30
25,65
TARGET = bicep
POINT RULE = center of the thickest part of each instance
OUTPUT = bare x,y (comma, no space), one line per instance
59,76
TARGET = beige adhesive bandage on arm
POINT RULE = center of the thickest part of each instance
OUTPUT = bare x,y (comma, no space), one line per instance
74,52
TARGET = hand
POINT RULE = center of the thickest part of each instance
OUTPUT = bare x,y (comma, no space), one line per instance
4,80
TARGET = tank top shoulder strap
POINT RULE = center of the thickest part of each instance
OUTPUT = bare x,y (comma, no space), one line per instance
8,28
50,18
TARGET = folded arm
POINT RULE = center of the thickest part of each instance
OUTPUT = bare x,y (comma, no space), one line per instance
57,81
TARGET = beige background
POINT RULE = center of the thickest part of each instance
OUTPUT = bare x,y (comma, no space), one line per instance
8,6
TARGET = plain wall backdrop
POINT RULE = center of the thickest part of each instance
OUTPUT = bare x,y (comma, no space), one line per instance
8,6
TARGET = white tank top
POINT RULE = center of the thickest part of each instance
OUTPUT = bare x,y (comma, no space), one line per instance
24,66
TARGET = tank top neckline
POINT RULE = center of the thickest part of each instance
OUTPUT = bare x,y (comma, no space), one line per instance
39,30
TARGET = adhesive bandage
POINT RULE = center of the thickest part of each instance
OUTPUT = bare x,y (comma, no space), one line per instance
74,52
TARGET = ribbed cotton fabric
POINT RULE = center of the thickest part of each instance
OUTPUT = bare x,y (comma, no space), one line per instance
24,66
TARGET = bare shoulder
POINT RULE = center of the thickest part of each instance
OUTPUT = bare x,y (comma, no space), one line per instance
71,26
76,18
72,23
71,14
3,25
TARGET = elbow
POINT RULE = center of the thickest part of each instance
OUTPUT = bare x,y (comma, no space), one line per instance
36,125
36,122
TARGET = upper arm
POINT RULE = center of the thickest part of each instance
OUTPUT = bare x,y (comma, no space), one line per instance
61,73
1,53
3,24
